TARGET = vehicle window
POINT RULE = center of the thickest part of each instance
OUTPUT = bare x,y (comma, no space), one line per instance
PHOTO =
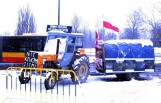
23,44
55,36
79,41
10,44
71,43
72,40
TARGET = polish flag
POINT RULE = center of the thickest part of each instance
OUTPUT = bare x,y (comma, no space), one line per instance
110,26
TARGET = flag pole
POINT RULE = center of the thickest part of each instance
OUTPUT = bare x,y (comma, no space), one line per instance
103,51
58,12
103,29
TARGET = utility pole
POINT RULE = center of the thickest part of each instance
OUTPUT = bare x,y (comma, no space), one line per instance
58,12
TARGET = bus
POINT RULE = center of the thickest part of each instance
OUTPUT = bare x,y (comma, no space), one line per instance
13,48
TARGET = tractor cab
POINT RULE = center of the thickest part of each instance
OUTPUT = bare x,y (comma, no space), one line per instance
59,48
68,44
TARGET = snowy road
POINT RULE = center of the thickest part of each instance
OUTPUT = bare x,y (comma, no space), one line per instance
102,89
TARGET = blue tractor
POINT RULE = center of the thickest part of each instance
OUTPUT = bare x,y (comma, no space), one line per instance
63,50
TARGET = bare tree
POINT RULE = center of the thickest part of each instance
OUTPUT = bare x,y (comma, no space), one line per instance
127,34
156,38
110,36
84,26
89,40
76,21
134,23
79,25
26,21
151,19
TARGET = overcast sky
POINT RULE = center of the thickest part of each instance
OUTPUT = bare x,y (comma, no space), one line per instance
46,12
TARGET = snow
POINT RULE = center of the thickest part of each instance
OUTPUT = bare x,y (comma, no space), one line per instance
97,89
124,92
144,42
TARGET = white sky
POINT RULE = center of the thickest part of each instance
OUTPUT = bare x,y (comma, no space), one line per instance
46,12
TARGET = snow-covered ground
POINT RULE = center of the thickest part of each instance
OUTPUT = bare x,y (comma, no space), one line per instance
97,89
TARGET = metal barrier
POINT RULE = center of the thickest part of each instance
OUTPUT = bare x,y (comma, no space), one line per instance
34,91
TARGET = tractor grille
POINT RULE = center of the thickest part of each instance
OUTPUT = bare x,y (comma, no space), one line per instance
31,59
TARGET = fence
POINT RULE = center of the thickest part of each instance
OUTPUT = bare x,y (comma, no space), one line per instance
34,91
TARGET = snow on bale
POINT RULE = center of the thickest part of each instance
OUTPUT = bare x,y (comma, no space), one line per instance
129,49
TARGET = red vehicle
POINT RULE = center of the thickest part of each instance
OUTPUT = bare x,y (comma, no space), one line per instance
13,48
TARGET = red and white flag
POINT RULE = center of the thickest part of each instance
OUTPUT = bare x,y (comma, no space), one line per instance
110,26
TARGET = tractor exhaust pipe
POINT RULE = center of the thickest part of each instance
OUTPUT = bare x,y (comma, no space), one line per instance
57,48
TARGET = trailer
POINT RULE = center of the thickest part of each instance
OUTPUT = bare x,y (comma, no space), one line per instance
124,58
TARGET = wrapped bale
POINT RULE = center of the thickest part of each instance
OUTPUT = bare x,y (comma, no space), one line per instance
137,55
124,50
136,50
129,49
147,52
111,50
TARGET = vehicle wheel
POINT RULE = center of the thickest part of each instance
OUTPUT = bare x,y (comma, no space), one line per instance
81,68
124,77
136,76
51,65
127,76
50,81
23,79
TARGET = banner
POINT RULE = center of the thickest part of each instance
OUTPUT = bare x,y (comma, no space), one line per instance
110,26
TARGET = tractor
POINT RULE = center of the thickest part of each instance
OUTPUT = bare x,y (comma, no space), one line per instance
63,50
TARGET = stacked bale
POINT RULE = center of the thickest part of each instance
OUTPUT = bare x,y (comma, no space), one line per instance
135,55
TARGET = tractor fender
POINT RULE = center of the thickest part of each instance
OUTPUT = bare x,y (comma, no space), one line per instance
75,56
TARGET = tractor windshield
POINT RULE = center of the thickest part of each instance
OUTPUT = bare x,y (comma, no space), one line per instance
51,44
55,37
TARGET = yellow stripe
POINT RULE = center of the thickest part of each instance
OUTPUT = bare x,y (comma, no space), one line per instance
13,54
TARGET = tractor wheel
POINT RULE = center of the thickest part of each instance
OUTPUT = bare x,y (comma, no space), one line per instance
50,81
24,80
124,77
52,65
81,68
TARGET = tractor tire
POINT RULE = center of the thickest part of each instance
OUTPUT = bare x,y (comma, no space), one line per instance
81,68
50,81
124,77
52,65
24,80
